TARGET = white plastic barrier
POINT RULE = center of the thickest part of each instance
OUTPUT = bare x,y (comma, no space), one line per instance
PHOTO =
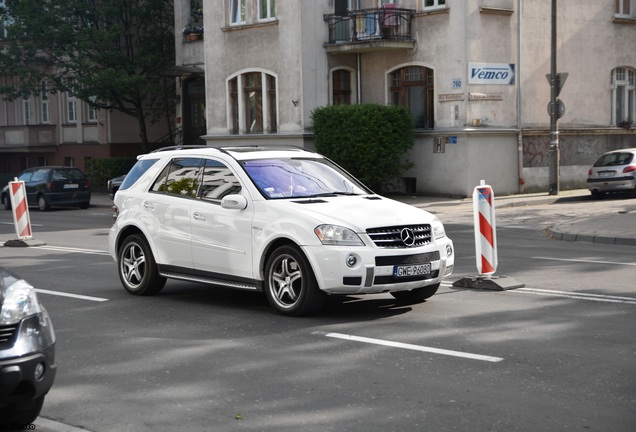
21,218
485,230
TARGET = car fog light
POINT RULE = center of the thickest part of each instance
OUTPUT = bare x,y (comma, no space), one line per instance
449,270
39,372
351,260
449,250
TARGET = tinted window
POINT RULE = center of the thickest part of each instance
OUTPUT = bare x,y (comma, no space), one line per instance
136,172
179,177
40,175
218,181
67,174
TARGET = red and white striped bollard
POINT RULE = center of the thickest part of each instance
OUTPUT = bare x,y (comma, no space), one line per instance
21,218
485,230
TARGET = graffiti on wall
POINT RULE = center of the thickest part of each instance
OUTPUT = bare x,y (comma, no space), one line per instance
573,149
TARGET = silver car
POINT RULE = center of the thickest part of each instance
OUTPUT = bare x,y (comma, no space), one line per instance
614,171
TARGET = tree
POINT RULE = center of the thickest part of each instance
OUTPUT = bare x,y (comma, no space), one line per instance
369,140
109,53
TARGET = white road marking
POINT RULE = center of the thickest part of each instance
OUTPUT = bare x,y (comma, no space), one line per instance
586,261
77,250
45,424
412,347
77,296
575,295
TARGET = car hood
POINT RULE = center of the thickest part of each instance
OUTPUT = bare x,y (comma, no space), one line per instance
357,212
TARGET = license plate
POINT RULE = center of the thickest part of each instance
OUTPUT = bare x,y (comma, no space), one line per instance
606,174
403,271
71,186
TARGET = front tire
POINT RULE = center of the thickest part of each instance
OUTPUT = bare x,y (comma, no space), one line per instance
23,413
416,295
43,204
137,268
290,283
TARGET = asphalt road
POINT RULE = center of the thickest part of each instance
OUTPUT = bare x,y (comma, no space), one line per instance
557,354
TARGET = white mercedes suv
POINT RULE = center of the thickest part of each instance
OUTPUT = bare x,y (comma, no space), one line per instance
282,220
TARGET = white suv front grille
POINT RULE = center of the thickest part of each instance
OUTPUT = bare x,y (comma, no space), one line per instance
401,236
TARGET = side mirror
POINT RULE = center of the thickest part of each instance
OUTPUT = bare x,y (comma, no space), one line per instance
234,201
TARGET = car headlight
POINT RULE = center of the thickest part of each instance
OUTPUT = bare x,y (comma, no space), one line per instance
438,228
20,301
337,235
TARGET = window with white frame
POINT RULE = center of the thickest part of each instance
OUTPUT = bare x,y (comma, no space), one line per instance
625,8
432,4
266,9
92,111
252,107
26,111
623,96
45,113
236,11
71,103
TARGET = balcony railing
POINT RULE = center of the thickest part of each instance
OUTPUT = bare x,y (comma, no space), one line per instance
368,25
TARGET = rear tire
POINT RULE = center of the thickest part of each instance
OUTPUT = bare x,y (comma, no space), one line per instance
416,295
290,283
137,268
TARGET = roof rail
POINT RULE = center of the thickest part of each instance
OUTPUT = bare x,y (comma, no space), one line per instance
179,147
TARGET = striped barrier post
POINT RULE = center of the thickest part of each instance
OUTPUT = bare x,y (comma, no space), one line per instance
17,193
485,230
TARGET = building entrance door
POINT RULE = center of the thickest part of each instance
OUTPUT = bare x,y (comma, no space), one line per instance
194,111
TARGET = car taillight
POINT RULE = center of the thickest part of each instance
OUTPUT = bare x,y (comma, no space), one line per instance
50,186
115,212
629,169
86,184
589,172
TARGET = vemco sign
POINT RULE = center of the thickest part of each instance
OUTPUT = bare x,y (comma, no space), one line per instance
491,73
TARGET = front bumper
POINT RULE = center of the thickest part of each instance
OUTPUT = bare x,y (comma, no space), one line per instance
373,271
27,361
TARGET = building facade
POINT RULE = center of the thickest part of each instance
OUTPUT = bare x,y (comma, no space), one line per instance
472,73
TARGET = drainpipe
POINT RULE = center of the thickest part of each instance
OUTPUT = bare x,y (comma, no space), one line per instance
519,132
358,85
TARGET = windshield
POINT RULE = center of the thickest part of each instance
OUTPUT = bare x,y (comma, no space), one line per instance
301,178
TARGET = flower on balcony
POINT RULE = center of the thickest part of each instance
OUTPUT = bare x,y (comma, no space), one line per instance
190,29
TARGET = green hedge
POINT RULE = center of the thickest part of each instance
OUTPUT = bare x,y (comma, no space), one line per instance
369,140
99,171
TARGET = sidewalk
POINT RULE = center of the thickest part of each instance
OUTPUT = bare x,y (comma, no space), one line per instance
612,228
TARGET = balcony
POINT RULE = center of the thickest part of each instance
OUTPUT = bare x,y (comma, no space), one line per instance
369,30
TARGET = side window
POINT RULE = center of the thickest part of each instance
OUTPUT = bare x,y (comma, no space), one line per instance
218,181
180,177
39,175
136,172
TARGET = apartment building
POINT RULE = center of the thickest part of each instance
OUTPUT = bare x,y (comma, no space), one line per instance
472,73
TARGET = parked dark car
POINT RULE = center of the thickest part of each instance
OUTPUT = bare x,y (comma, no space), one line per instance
113,185
27,351
53,186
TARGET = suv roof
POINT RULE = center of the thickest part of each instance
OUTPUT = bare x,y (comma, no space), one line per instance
237,152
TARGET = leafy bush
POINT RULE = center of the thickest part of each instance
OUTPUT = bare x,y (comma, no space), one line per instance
99,171
370,141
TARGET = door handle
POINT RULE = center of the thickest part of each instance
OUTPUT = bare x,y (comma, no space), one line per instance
148,205
198,216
